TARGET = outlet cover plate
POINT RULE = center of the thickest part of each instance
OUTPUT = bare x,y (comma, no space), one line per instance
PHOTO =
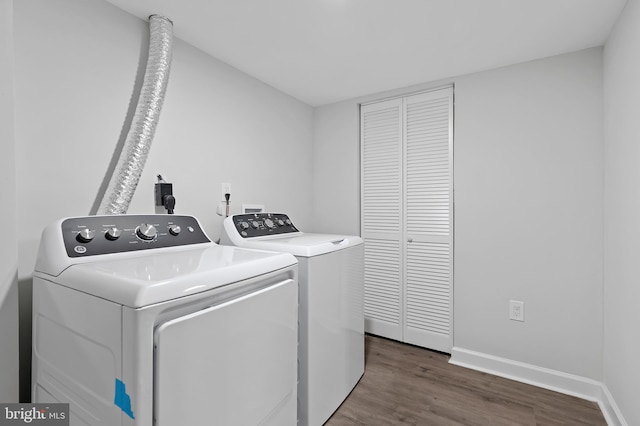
516,310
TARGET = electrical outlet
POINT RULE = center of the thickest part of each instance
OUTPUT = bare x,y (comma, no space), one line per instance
516,310
225,188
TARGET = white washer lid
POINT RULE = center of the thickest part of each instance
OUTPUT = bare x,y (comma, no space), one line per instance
302,244
138,280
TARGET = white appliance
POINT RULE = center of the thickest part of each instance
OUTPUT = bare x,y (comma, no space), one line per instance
331,351
141,320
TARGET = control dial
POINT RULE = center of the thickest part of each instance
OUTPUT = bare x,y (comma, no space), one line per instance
244,225
255,224
113,234
85,235
146,232
175,230
269,223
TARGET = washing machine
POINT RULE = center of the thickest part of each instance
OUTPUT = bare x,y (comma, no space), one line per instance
331,315
142,320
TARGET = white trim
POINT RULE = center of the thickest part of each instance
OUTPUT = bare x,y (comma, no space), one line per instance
546,378
408,93
610,409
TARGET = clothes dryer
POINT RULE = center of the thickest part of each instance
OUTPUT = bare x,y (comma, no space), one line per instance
331,315
140,320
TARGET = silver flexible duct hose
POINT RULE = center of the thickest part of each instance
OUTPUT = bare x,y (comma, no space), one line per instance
126,175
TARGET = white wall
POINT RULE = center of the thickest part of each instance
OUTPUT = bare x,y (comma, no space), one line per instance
528,206
77,63
8,248
528,220
622,213
336,169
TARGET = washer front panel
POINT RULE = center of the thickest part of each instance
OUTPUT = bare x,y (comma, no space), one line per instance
230,364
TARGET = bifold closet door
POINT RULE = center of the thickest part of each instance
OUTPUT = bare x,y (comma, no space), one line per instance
407,217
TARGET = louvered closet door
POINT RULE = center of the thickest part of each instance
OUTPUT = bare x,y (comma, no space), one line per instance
381,150
428,183
407,218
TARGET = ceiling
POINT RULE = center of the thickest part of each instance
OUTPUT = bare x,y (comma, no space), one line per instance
324,51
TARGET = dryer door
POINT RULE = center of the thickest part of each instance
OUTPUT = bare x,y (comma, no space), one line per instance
230,364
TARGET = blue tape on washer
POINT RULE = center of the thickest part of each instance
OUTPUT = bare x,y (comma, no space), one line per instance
123,400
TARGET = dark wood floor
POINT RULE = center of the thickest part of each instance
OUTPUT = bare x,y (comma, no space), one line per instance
407,385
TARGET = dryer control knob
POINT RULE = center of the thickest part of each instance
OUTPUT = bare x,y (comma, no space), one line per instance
255,224
85,235
269,223
113,234
146,232
280,222
244,225
174,230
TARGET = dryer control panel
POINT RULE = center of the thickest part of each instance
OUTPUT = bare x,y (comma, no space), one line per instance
262,224
93,235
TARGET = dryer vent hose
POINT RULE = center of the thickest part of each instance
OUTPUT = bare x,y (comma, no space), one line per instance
133,156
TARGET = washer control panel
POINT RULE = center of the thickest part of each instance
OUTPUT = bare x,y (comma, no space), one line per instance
262,224
93,235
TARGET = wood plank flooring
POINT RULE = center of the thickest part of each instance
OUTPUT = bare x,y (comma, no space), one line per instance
407,385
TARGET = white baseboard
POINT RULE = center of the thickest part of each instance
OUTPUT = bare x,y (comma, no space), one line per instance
557,381
610,409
